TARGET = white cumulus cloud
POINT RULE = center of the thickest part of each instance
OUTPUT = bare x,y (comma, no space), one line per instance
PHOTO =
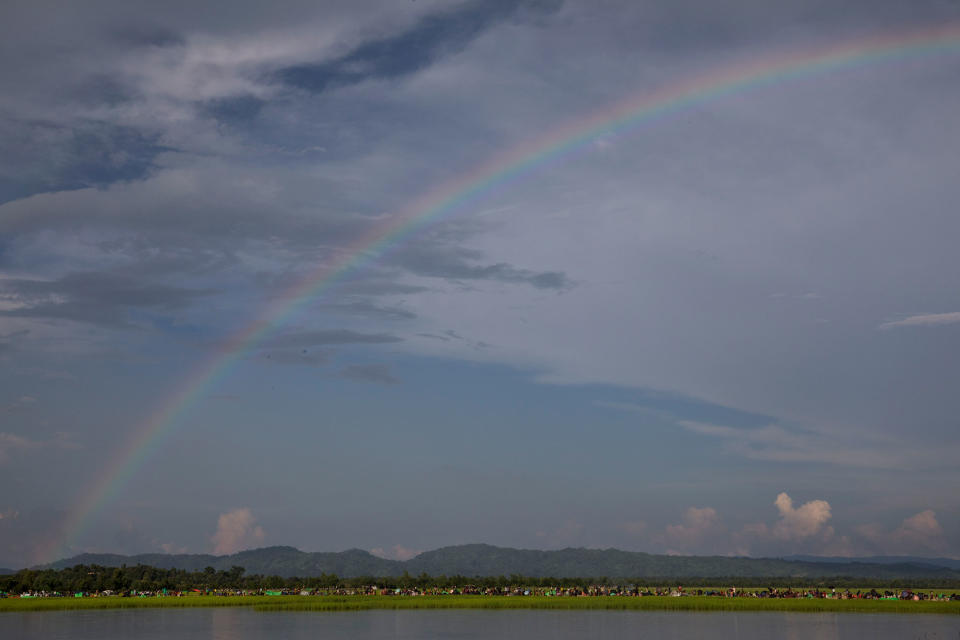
920,533
802,529
801,522
236,530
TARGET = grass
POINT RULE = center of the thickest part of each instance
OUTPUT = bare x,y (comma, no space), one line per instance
116,602
651,603
363,603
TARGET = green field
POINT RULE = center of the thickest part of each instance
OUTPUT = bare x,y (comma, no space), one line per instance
358,603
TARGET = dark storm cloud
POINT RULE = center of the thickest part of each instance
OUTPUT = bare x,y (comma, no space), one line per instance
233,110
8,341
455,263
431,38
142,34
302,357
6,344
300,348
45,156
99,153
214,206
330,337
99,90
369,309
434,337
376,373
92,297
158,255
379,287
182,209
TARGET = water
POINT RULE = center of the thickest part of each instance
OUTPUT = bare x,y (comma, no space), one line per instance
244,624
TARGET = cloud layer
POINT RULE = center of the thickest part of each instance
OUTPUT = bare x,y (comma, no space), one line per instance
759,285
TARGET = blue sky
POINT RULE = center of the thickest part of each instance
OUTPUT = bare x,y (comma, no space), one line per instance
733,330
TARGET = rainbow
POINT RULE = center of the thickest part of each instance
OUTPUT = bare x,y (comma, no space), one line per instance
453,195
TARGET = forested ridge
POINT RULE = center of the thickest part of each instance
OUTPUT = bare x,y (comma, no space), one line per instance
487,560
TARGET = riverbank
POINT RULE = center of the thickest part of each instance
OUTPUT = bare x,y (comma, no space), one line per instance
363,603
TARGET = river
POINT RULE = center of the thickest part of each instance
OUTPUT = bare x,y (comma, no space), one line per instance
246,624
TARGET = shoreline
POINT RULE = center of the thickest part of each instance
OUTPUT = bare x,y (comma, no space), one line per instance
603,603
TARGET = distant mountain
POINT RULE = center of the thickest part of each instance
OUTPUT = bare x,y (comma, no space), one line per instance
6,572
950,563
486,560
280,561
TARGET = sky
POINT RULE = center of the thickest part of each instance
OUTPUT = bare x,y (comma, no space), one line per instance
733,328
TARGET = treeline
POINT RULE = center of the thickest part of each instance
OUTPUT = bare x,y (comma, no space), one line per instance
96,578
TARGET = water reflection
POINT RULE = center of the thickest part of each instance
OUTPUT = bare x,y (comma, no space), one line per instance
244,624
225,624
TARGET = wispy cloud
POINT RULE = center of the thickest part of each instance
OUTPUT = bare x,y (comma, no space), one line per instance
761,438
301,357
94,297
375,372
329,337
21,403
924,320
11,443
774,442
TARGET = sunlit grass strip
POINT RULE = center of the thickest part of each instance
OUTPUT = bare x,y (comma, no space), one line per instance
366,603
610,603
116,602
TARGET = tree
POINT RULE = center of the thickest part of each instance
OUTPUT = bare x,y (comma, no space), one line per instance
235,576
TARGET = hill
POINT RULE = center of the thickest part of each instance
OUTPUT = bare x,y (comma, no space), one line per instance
486,560
950,563
280,561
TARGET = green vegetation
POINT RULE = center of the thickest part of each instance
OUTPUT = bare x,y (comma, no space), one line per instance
361,603
647,603
96,578
117,602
